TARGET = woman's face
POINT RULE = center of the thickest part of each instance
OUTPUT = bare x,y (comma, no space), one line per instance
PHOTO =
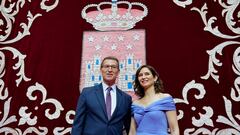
146,78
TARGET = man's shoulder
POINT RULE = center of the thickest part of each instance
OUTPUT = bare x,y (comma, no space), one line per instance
90,88
124,93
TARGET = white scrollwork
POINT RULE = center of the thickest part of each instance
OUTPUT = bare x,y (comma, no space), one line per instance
8,15
236,61
216,131
235,95
6,119
204,118
64,130
199,131
25,117
186,89
229,9
3,92
8,20
214,61
48,8
189,86
183,3
29,130
234,128
237,116
38,131
208,23
69,113
19,65
228,131
230,120
57,104
61,130
8,130
238,16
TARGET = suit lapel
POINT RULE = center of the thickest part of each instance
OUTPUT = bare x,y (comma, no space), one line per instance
100,98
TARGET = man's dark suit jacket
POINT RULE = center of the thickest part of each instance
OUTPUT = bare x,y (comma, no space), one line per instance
91,116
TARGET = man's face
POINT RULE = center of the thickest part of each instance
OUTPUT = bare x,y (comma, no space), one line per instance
109,71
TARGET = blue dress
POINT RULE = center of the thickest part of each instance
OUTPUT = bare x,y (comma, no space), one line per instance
152,120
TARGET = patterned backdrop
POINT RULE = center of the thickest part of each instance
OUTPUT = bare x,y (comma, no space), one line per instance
194,45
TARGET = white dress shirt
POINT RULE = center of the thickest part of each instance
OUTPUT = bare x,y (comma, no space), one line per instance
113,95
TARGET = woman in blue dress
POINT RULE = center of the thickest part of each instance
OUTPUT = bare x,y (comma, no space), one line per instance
154,113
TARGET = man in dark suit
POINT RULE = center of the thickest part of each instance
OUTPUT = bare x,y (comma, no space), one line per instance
103,109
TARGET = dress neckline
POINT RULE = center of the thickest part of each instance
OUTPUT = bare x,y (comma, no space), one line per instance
144,107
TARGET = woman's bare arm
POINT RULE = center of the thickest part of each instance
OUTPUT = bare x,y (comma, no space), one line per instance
132,127
173,123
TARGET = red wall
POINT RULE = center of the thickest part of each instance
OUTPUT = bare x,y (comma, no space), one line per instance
178,41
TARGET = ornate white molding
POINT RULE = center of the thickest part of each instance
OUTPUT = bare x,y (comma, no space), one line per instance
42,90
228,12
65,130
186,89
7,119
229,120
31,120
213,61
48,7
204,119
26,116
62,130
231,15
9,14
183,3
214,30
235,92
69,113
31,130
19,65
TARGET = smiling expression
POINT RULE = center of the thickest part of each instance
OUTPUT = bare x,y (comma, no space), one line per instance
146,78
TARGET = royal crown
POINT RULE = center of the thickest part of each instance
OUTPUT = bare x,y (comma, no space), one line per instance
115,15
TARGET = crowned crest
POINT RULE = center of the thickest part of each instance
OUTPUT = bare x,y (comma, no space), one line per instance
115,15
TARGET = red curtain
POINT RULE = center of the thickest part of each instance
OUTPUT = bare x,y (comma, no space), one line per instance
194,45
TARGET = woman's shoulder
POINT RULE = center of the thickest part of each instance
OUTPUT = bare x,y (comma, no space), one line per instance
163,95
136,101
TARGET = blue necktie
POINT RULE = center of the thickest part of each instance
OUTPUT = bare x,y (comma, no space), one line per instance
108,102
